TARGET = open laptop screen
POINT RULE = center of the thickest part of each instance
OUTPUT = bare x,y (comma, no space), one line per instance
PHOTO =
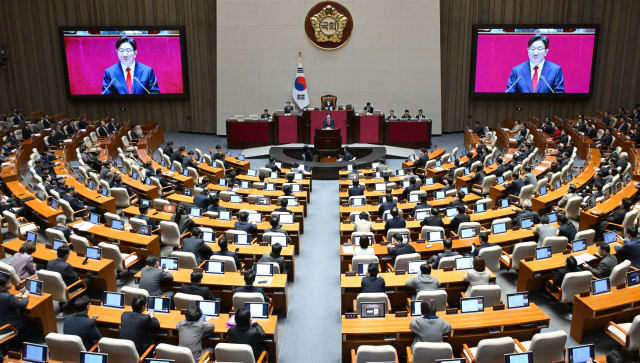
464,263
579,245
258,310
209,307
580,354
471,305
600,286
543,253
34,287
526,357
214,267
159,304
518,300
633,277
34,353
170,263
113,300
372,310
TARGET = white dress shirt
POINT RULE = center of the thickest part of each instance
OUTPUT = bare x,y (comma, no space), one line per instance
534,71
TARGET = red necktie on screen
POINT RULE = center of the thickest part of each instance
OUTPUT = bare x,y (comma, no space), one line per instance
130,81
534,79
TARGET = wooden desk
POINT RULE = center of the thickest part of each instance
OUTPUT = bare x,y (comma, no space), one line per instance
594,312
92,197
128,242
590,220
521,324
185,181
252,254
235,162
452,281
152,141
108,322
434,154
396,192
41,210
149,192
224,286
101,272
40,309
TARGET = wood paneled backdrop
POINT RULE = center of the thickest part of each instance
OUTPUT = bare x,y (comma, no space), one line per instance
617,65
34,77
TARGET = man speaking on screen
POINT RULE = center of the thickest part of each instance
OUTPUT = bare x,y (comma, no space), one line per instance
129,77
537,75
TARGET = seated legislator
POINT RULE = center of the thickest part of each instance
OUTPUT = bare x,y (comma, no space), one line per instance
459,200
328,104
191,331
328,122
61,226
61,266
182,219
168,149
307,155
421,161
196,245
617,217
629,251
484,242
420,116
137,326
423,281
201,200
391,116
460,218
81,325
11,313
406,115
412,187
399,247
144,209
368,108
177,155
566,229
129,77
387,204
515,186
152,275
607,263
430,328
372,282
224,251
22,261
433,219
363,224
478,130
249,279
194,288
356,190
274,221
265,115
422,205
571,265
285,202
364,248
248,331
479,275
447,245
244,225
215,204
395,221
272,164
274,256
347,154
288,108
544,229
526,212
72,197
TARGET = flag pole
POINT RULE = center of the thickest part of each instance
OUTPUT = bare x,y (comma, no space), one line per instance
300,56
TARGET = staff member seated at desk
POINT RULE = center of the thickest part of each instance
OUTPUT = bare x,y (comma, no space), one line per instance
347,154
368,108
265,115
69,276
478,130
81,325
152,275
607,263
544,229
460,218
391,116
274,256
363,224
617,217
11,313
447,245
224,251
274,221
182,219
194,288
423,281
479,275
515,186
571,265
412,187
356,190
76,205
249,279
22,261
197,246
328,105
372,282
400,247
191,331
288,108
430,328
421,161
395,221
422,205
406,115
137,326
248,331
629,251
433,220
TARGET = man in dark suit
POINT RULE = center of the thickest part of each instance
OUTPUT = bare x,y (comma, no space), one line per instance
537,75
249,279
111,125
58,134
606,139
61,226
168,150
622,163
272,164
420,116
566,229
421,161
548,128
478,130
372,283
11,313
631,248
412,187
395,221
484,242
391,116
500,169
328,123
422,205
82,123
81,325
243,225
356,190
284,202
224,251
328,104
347,154
288,108
433,220
70,129
460,218
459,200
526,212
194,288
69,276
136,326
515,185
177,155
448,184
187,161
399,247
197,246
406,115
607,263
624,127
591,132
265,115
18,118
202,200
214,206
368,108
388,204
76,205
102,130
144,209
128,77
274,256
617,218
447,244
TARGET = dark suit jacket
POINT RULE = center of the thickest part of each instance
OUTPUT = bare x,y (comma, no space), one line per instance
386,206
372,284
559,277
197,289
229,254
69,276
111,127
591,133
52,141
606,140
149,220
408,190
421,162
188,162
251,288
564,139
143,72
102,131
401,249
245,226
499,171
331,123
288,109
618,216
460,218
630,251
551,72
201,200
395,223
168,150
568,230
70,129
197,247
476,251
135,327
176,156
65,230
264,116
479,131
424,205
74,202
356,191
150,279
432,221
81,325
328,103
368,109
456,203
253,335
515,187
10,309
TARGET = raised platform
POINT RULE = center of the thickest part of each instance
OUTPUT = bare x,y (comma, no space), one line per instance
391,151
329,171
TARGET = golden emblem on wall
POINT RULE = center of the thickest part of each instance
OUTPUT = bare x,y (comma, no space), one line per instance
329,25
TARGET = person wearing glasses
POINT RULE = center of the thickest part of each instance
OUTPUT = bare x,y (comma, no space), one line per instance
129,77
537,75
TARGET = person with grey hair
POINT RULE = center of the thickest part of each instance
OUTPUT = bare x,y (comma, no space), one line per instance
61,226
526,212
622,163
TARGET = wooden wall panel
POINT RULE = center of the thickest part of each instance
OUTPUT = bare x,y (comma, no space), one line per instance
616,83
34,76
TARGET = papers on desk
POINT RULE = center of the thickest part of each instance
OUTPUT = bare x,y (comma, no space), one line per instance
68,140
5,164
438,169
541,168
83,226
512,139
585,257
508,156
505,129
348,250
267,281
63,176
36,135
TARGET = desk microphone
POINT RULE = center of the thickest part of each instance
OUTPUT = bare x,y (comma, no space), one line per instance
140,83
545,82
113,80
514,83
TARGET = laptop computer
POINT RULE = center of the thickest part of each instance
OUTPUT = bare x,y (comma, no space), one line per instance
500,179
34,286
224,215
214,267
633,277
113,300
413,267
263,201
526,223
222,182
57,243
169,208
372,310
420,215
526,357
208,237
471,305
270,187
195,212
435,236
94,218
255,217
380,187
553,217
209,308
428,181
503,203
252,172
451,212
601,286
282,240
187,192
543,253
263,269
31,236
464,263
579,245
274,175
610,237
94,253
357,202
117,225
34,353
518,300
440,195
170,263
581,353
543,191
236,199
145,202
245,185
286,218
296,188
258,310
363,268
159,304
54,203
416,308
144,230
479,208
468,232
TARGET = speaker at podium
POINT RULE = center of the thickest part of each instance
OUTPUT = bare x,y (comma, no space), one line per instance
327,139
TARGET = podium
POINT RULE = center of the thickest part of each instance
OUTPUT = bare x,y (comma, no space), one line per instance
327,139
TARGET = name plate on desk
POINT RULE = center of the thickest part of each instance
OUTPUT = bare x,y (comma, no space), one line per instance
446,269
347,222
384,243
527,259
585,293
452,311
566,252
263,243
95,302
401,272
420,241
350,273
351,315
498,307
401,314
621,286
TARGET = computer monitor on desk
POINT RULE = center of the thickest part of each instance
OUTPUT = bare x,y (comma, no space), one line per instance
464,263
372,310
471,305
580,354
526,357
